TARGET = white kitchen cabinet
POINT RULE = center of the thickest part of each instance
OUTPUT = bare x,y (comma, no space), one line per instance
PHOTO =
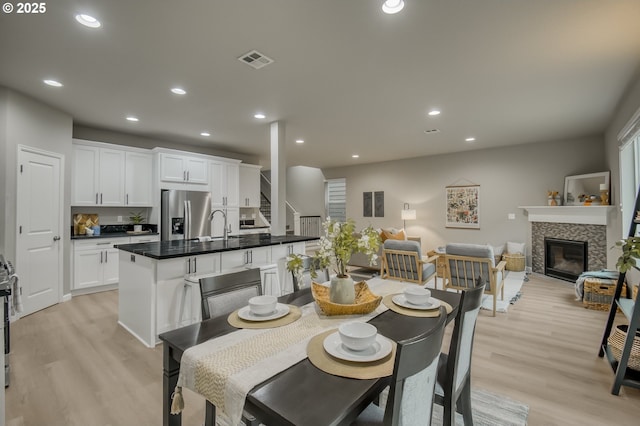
233,222
110,177
224,180
144,239
279,255
138,179
183,169
249,185
97,176
95,262
249,258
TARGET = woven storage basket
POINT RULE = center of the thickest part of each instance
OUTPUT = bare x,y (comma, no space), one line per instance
515,262
365,300
598,293
616,343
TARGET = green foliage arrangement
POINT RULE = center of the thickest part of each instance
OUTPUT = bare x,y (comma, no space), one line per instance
136,218
630,253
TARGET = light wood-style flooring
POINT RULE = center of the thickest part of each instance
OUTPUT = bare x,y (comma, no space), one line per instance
73,365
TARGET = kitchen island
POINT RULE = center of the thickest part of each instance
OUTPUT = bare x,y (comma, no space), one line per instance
155,295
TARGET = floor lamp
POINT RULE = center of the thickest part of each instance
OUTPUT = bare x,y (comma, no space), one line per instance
407,214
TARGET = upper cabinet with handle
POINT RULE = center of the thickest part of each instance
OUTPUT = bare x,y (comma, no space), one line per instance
224,182
110,177
249,185
183,169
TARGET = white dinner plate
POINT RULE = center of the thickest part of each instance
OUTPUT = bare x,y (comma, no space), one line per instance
380,348
280,311
401,300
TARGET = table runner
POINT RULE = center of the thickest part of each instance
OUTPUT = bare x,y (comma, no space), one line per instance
225,369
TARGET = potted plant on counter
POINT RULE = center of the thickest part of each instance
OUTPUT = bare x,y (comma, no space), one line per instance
137,219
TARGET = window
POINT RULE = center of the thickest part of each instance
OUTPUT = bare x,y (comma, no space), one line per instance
629,170
336,199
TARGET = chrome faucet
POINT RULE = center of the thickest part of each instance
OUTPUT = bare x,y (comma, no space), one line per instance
224,214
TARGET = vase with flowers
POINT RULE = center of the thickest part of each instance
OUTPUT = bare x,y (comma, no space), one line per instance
338,243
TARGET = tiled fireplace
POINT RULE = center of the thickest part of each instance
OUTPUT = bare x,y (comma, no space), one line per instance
575,230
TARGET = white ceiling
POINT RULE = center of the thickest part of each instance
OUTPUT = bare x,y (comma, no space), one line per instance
346,78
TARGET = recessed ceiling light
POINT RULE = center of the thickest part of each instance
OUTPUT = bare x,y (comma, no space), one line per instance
259,115
88,21
205,134
179,91
53,83
392,6
470,139
131,118
434,112
299,141
355,156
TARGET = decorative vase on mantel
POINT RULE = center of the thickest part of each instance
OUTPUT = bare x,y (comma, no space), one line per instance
342,290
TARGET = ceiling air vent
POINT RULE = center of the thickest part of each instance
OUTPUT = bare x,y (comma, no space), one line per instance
255,59
430,131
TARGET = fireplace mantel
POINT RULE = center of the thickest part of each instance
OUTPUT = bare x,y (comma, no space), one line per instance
586,215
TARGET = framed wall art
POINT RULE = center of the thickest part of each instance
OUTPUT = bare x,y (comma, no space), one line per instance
463,204
378,203
367,204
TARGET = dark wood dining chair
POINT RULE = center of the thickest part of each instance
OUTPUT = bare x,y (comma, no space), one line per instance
453,389
309,263
223,294
413,382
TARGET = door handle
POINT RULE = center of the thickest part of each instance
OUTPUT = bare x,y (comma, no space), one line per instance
56,238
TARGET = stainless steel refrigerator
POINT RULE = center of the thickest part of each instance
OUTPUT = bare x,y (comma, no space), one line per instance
184,214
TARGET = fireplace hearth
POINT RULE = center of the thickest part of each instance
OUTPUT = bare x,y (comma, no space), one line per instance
565,259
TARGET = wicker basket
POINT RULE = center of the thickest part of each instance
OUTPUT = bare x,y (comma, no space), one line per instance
515,262
598,293
365,300
616,343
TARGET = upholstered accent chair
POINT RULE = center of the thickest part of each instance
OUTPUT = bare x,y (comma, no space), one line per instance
411,392
465,263
322,274
402,261
453,388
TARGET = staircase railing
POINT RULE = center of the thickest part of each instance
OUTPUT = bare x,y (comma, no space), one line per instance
293,216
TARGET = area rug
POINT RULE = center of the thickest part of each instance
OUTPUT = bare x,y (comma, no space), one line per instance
512,285
489,409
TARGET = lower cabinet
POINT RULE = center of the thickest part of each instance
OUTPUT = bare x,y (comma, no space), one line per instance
95,263
279,256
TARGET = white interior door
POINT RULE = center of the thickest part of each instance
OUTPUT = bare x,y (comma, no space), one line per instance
39,213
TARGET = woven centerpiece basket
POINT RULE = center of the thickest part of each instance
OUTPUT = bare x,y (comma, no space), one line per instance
616,343
365,300
515,262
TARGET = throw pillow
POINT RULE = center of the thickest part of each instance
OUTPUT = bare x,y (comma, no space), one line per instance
387,235
515,248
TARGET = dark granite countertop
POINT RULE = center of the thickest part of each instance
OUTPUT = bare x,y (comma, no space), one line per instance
112,235
182,248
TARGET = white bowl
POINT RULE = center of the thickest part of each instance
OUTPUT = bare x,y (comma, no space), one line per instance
417,295
263,305
89,232
357,336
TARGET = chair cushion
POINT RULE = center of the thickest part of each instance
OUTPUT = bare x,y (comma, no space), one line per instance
404,245
471,250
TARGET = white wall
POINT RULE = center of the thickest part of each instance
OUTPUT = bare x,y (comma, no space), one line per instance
627,107
31,123
508,177
108,136
306,198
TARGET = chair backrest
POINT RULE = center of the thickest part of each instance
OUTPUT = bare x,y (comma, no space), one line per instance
461,347
414,377
402,260
223,294
466,262
308,263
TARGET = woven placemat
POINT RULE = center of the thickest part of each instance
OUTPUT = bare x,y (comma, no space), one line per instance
354,370
432,313
294,314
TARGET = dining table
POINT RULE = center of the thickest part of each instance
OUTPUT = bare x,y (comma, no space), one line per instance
302,394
